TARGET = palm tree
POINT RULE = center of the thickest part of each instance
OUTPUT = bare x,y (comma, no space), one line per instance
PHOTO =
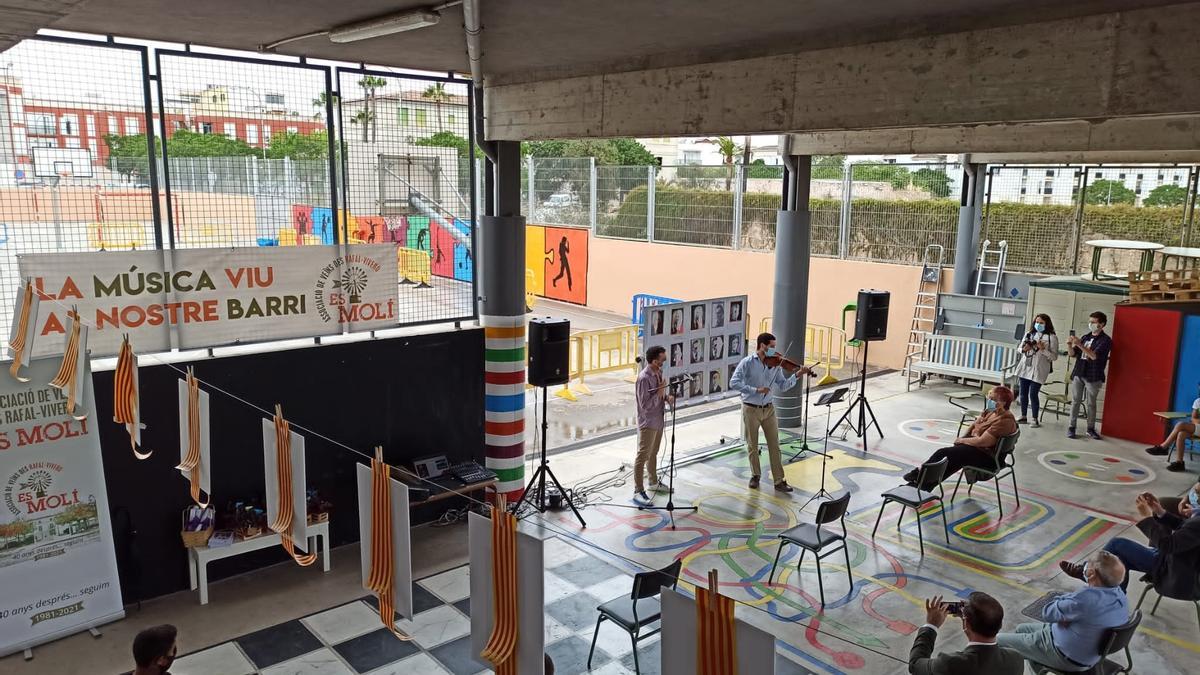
320,101
728,150
438,94
369,84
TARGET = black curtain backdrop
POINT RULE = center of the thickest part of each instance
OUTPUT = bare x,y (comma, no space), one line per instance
416,396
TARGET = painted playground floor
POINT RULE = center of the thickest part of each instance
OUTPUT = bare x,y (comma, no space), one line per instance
1074,497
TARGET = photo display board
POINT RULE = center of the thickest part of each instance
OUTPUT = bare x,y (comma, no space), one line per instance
704,339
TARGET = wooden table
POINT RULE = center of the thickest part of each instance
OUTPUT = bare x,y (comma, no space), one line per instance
1147,249
199,557
1188,256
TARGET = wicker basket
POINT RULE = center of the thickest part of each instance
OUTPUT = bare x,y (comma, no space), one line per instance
194,538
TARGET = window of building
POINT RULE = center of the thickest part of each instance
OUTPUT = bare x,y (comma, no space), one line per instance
1048,190
41,143
230,130
690,157
112,125
450,120
1049,173
93,146
1175,178
1120,176
404,115
206,127
132,128
41,124
266,134
1139,176
422,117
1138,191
176,125
69,125
1024,172
1022,190
273,99
72,141
1099,175
293,130
91,124
252,134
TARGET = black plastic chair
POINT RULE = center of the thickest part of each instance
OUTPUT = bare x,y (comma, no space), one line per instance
1005,462
908,496
1150,584
810,537
640,608
1114,640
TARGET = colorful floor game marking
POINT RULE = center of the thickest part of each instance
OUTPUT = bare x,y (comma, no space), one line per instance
1095,467
938,432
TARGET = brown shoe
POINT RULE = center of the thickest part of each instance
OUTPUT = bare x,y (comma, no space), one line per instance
1074,570
782,486
753,482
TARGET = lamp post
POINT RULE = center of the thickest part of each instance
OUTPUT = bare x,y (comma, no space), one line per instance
262,136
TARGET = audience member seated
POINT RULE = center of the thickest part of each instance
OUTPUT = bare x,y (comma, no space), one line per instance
1183,506
978,447
982,616
1172,557
154,650
1075,623
1177,439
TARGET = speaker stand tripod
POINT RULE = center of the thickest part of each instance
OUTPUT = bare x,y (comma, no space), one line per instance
539,477
864,406
804,443
827,400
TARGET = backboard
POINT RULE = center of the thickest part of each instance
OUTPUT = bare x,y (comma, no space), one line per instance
62,163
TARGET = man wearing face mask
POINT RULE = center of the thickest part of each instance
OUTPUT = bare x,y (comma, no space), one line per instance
978,446
757,382
652,396
1091,352
154,650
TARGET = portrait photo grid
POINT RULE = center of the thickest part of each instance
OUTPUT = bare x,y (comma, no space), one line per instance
704,339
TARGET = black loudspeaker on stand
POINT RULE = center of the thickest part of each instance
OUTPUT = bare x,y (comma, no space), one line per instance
870,325
549,341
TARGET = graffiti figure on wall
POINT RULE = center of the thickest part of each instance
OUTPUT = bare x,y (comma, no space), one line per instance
422,244
564,264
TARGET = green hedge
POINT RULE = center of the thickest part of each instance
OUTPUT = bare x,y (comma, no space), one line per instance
1040,237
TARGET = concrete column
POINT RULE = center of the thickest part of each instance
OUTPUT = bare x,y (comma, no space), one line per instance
502,253
793,242
966,243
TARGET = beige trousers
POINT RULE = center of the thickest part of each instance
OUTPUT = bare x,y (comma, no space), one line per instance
753,418
647,456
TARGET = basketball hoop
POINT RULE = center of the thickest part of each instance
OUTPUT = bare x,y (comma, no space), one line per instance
64,173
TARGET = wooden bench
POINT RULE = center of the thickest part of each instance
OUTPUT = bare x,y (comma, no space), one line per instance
968,358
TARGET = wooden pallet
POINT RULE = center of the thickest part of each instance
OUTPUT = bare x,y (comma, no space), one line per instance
1164,286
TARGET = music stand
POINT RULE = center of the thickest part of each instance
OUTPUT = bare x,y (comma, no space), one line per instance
827,399
807,392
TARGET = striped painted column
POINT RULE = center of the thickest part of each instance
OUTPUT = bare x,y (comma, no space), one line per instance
504,401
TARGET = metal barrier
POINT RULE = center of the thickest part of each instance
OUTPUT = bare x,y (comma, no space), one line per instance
530,289
600,351
413,265
640,302
110,236
826,344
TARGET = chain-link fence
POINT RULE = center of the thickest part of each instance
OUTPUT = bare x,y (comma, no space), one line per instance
558,191
896,210
621,194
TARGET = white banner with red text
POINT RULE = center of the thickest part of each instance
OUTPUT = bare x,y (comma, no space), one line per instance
58,567
208,297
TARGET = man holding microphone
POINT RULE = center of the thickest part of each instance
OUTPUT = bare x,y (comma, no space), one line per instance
757,382
652,396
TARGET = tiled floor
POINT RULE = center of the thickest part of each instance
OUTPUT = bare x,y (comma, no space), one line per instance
349,640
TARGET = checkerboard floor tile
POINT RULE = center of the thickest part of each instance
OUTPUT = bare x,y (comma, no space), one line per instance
349,640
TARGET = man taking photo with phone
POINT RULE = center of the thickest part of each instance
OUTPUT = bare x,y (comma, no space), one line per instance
982,616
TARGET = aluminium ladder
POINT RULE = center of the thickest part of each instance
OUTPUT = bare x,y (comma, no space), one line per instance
1000,256
924,309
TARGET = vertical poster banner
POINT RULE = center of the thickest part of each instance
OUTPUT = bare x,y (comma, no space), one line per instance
566,266
58,566
704,340
535,259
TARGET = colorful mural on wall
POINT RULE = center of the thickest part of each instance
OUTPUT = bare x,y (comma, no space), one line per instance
558,258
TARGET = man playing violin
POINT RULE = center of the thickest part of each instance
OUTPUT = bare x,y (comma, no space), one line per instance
756,378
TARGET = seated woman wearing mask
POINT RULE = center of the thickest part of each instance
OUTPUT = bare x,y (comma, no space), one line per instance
978,447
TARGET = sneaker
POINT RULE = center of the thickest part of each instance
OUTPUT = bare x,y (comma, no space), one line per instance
1175,466
1023,421
1071,433
1157,451
782,486
1094,434
641,498
1035,424
660,487
753,482
1074,570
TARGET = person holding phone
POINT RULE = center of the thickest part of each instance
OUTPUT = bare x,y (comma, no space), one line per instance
982,617
1039,350
1091,352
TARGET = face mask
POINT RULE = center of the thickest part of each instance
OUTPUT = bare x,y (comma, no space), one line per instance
989,405
1039,327
1093,327
771,351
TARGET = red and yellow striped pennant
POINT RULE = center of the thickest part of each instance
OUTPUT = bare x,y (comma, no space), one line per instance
716,646
191,461
283,470
501,649
126,406
17,344
382,577
68,376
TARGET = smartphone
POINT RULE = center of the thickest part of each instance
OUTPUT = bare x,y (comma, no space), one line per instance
955,608
1071,332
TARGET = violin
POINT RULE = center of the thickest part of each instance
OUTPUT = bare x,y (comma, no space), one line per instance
788,364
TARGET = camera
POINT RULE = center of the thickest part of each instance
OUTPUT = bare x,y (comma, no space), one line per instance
955,608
